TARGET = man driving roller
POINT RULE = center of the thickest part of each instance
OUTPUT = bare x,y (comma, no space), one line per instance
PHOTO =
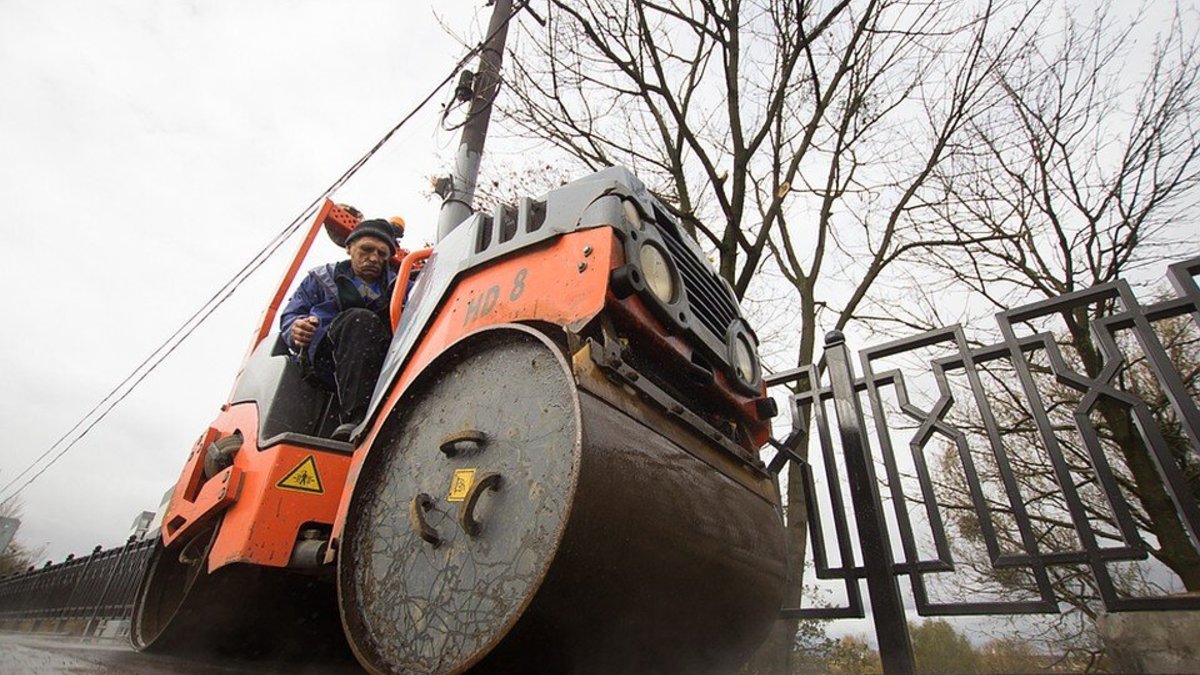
337,325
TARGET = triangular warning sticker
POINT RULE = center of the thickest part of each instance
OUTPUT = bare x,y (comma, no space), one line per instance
303,478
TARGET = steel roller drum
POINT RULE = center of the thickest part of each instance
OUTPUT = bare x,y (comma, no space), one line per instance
587,543
244,611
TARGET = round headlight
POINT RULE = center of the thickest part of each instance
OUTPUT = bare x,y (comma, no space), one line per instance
632,215
745,365
660,276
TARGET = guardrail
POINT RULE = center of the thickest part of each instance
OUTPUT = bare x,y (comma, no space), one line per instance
1077,453
78,594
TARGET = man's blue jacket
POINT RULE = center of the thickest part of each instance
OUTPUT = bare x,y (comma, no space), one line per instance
325,291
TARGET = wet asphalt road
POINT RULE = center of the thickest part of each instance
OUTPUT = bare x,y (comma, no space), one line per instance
38,653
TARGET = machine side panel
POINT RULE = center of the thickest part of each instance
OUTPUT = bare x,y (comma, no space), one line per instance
264,498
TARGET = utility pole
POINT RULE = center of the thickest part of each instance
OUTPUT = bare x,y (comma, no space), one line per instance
457,206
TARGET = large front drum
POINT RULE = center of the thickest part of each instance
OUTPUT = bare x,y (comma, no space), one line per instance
511,522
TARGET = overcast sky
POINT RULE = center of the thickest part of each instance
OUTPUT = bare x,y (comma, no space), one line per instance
148,149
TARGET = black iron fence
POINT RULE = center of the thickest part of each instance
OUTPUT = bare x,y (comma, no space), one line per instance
1076,448
76,595
1070,449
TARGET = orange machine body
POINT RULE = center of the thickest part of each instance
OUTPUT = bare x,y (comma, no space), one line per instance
270,495
265,499
280,490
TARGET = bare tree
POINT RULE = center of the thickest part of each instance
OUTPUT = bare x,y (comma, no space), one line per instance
17,558
1083,171
791,136
1080,181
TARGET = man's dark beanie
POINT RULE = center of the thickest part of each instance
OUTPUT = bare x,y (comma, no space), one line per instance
378,228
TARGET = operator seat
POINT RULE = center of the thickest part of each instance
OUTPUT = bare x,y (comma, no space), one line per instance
287,402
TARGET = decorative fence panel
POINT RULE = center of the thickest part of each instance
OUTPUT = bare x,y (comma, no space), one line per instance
1071,444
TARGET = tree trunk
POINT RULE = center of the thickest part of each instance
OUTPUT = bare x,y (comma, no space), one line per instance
774,656
1175,548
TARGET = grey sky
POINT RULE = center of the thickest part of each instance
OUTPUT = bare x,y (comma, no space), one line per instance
149,149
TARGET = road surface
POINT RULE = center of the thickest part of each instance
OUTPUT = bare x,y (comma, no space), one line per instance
53,655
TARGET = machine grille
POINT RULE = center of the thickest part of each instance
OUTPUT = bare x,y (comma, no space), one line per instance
710,300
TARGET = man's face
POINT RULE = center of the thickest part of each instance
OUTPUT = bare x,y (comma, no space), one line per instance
368,255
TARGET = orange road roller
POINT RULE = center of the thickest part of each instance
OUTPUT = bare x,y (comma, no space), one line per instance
558,473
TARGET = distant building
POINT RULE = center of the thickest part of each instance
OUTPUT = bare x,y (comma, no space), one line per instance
148,524
142,524
8,530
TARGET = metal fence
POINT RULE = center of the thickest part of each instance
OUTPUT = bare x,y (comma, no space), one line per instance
1075,449
78,594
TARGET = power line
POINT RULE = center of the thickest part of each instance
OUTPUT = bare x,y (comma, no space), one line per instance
189,326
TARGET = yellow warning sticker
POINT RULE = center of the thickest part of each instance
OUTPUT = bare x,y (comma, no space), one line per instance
460,484
303,478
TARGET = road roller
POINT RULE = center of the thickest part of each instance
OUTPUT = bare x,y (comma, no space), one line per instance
559,472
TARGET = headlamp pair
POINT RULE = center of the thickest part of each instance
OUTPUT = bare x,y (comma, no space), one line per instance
651,271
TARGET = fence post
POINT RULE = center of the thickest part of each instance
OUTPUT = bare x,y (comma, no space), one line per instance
891,626
92,620
81,579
